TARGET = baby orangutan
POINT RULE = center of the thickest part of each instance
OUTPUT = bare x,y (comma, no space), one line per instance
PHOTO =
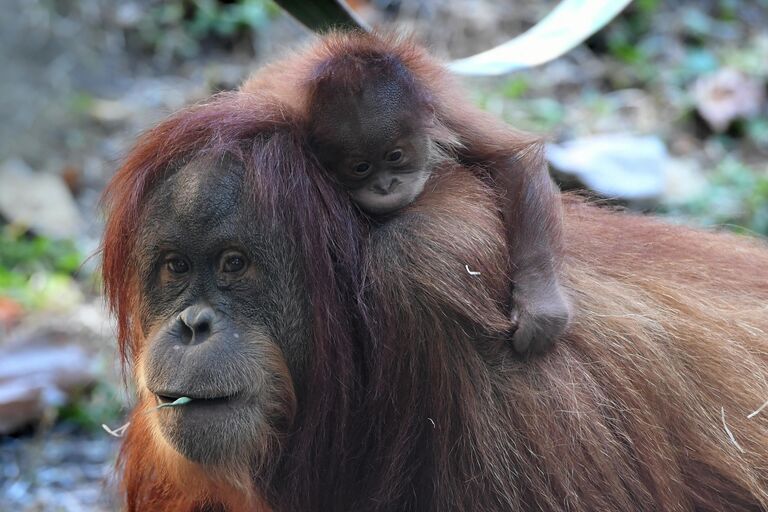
380,132
375,142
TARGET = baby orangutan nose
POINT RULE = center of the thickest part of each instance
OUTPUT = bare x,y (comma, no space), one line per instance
195,324
385,186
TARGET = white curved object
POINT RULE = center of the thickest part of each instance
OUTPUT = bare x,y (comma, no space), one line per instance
569,24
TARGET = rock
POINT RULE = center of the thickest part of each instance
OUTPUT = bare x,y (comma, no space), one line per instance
727,95
128,14
684,181
628,167
48,472
224,77
39,201
621,166
40,367
110,111
33,379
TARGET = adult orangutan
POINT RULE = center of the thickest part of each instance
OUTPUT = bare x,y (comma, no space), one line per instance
338,366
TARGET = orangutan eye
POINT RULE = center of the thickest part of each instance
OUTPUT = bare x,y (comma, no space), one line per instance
233,262
361,168
176,264
395,155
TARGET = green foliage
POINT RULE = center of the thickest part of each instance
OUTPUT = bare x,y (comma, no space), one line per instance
757,131
515,87
697,25
179,28
728,10
35,270
622,35
546,113
737,196
646,7
182,400
89,409
541,115
80,103
27,254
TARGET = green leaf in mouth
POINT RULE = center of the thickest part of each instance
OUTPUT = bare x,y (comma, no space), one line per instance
179,401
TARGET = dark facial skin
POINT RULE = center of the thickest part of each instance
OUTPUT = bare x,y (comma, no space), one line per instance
377,148
218,326
383,171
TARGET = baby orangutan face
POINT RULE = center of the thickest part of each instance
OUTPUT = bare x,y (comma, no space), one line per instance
384,174
378,149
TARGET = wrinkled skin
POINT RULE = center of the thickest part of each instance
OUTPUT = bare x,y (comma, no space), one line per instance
212,283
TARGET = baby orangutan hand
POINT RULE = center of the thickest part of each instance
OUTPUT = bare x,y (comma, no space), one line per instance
541,316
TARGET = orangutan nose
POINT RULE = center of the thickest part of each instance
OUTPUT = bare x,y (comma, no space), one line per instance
386,187
196,324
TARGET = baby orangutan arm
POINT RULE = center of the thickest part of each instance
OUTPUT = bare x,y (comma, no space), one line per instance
531,209
529,202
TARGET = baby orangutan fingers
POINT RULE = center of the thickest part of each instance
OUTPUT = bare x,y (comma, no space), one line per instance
540,323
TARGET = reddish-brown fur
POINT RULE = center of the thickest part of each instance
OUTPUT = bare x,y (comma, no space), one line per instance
416,405
477,137
339,66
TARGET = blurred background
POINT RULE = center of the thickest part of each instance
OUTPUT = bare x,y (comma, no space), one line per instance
662,111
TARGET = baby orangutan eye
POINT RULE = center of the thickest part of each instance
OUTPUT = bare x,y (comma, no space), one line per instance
395,155
361,168
232,262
